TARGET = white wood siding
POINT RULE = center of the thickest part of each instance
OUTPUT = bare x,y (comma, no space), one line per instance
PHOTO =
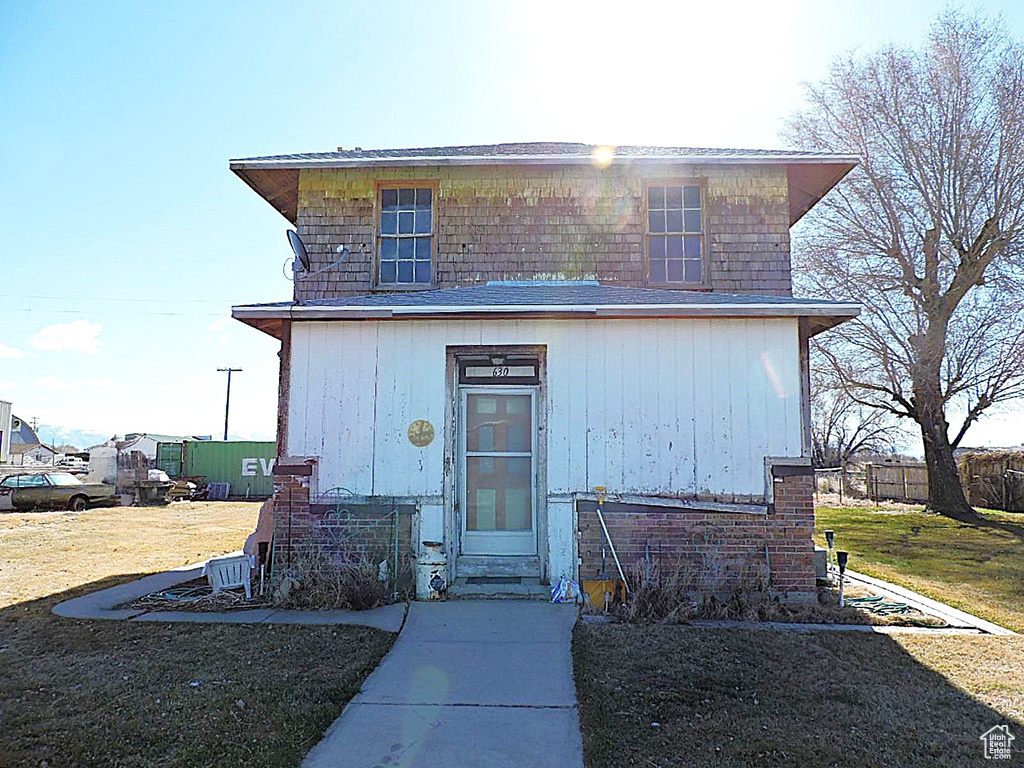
649,407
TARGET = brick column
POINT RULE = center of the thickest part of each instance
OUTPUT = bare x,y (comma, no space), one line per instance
292,485
790,525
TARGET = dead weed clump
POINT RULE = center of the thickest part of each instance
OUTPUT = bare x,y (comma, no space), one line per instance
709,587
703,586
318,581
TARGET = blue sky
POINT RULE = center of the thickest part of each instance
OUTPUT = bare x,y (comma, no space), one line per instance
124,239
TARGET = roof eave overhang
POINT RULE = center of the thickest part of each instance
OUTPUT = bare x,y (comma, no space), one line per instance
271,320
810,177
431,160
808,183
279,186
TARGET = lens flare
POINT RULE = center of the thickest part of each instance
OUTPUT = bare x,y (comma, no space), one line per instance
602,156
773,376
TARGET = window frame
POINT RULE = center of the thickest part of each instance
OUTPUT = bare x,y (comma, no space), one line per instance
378,187
19,484
49,479
705,283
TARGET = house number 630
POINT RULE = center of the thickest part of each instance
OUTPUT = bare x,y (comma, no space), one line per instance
499,371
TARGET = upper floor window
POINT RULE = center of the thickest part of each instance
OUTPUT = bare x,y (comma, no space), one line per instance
675,234
406,236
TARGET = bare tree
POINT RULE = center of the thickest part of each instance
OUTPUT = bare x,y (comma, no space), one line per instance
842,427
927,232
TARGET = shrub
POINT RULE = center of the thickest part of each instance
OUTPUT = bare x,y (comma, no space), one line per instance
320,581
703,586
710,587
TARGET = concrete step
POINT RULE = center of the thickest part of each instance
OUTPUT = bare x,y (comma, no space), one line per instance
493,566
497,588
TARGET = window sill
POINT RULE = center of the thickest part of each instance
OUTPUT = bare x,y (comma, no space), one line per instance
397,288
679,286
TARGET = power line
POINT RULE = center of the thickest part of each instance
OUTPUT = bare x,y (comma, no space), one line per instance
83,313
117,299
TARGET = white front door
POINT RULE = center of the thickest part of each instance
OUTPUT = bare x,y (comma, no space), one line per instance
498,470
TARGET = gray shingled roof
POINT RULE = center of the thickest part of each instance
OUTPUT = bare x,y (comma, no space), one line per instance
545,299
551,293
538,149
554,293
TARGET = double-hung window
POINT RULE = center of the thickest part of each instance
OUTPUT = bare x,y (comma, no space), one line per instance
405,236
675,235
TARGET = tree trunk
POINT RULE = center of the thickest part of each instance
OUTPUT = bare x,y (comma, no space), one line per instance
945,491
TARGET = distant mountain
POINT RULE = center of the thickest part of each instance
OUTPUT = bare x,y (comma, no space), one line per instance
82,439
52,435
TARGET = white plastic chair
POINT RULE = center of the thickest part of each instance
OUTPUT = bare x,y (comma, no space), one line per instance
228,572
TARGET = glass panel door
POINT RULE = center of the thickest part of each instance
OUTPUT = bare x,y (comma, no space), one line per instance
498,471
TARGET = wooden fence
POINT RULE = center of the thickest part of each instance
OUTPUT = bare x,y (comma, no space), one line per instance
897,482
994,480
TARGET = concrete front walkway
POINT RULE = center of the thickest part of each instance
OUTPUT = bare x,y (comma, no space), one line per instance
486,684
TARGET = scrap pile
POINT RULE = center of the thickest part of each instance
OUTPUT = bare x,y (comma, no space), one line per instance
194,596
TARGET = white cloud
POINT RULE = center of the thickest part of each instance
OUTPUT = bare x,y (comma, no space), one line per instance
6,386
10,352
78,335
219,328
52,382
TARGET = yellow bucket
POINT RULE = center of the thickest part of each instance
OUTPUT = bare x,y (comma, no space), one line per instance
595,589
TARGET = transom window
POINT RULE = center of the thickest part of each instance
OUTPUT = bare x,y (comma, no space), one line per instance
406,236
675,237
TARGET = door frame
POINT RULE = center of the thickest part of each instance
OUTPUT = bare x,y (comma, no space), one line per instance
465,390
452,510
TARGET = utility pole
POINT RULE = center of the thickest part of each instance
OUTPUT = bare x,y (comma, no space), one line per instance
227,401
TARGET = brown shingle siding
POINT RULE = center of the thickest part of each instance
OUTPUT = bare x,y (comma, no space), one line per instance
538,222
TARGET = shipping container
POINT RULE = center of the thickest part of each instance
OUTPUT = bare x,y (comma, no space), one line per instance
5,431
168,458
247,465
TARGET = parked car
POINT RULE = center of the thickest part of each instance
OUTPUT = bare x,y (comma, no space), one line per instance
72,464
51,490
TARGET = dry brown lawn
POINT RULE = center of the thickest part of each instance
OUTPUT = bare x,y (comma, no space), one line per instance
659,696
117,693
46,552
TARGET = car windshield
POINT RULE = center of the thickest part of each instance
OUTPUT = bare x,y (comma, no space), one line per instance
63,478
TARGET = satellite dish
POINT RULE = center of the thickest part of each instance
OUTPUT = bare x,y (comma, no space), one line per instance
299,249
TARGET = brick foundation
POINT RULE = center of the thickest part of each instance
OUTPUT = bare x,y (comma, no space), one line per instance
731,545
335,528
